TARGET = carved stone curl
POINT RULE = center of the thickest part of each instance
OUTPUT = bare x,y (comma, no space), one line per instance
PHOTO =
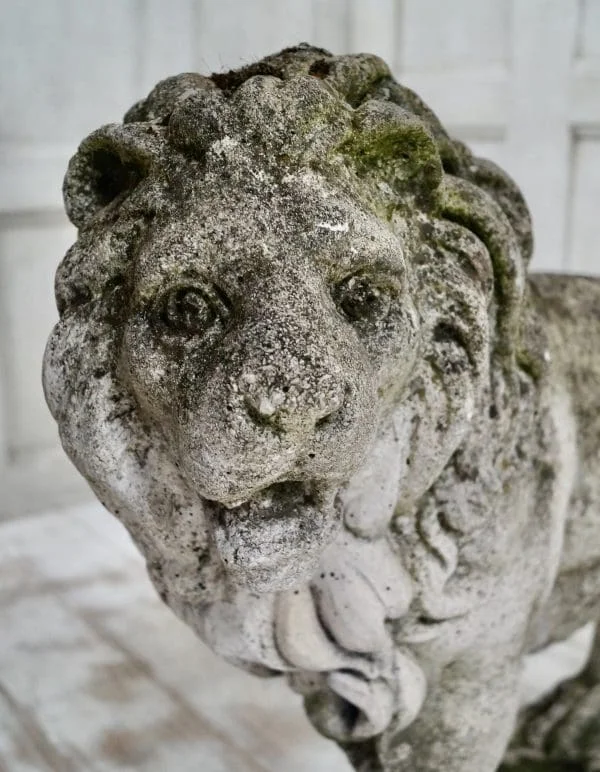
300,359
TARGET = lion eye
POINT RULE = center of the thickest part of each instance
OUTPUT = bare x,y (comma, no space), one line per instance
191,310
361,300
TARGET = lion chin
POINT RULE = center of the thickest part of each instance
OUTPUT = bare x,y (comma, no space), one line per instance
274,540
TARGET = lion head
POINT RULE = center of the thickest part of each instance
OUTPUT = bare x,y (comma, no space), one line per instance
280,273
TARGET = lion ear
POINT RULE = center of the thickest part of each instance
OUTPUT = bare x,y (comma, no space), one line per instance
391,144
109,163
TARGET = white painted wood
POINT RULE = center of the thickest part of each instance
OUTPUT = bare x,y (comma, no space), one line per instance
588,37
539,134
95,668
544,671
289,22
97,675
222,44
167,44
467,100
231,33
68,67
4,390
40,479
330,25
584,106
493,149
372,27
29,254
31,175
457,35
584,248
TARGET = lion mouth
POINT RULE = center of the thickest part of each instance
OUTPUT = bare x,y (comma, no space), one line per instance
273,541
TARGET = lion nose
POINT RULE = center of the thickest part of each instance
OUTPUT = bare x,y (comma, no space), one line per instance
291,404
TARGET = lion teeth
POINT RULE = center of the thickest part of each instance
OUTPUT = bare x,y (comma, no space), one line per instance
233,504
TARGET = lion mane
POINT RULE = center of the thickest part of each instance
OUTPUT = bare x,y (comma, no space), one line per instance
345,119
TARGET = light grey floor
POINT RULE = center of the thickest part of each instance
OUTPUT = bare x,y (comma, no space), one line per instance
96,675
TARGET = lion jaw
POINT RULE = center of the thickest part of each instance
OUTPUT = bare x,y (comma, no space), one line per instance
274,541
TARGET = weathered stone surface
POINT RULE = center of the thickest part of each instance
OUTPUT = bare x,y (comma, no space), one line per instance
299,356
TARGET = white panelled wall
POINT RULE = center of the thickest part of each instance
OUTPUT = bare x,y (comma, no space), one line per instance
519,80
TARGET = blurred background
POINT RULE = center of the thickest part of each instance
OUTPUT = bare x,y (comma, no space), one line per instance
518,80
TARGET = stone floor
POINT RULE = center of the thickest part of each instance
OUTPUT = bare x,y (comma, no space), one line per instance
96,675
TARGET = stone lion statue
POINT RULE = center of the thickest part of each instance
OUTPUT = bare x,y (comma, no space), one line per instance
300,358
